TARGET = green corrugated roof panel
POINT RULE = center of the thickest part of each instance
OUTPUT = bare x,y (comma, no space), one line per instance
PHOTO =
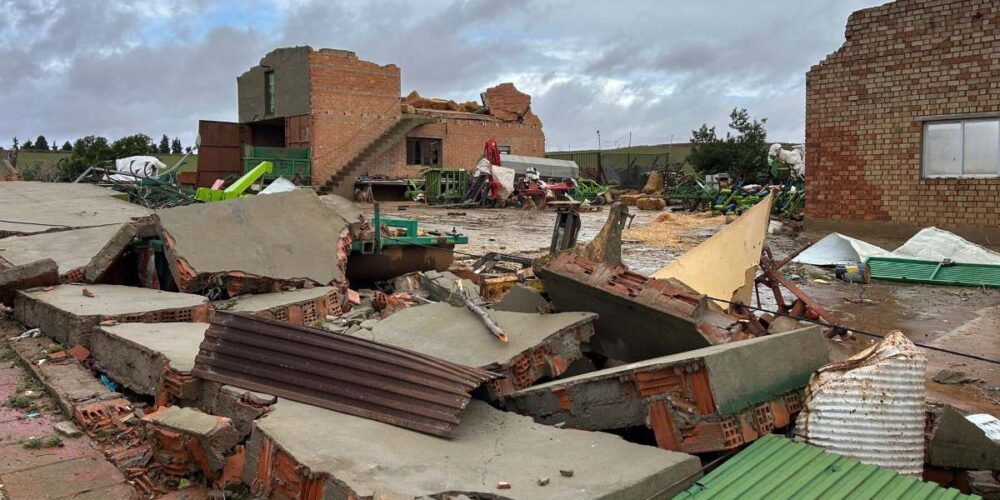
774,467
928,271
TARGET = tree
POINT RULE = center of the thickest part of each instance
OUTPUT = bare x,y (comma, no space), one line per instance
743,155
175,146
188,150
15,142
41,143
164,144
87,152
132,145
67,146
28,145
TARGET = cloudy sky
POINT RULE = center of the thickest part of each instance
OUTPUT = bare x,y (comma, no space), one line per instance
657,69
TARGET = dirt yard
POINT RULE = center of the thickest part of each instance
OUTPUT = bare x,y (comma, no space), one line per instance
954,318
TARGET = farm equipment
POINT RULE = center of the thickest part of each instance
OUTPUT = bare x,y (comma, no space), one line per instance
399,246
588,190
237,188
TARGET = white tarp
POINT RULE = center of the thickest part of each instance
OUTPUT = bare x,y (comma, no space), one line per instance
836,248
279,185
141,167
503,175
936,244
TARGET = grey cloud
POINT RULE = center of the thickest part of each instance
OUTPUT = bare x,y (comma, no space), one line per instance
77,67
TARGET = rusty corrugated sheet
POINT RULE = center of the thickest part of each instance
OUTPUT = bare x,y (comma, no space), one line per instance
639,317
870,407
338,372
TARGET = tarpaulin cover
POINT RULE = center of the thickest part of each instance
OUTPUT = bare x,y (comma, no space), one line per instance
836,248
936,244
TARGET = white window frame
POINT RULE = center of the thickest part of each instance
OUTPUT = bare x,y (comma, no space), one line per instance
961,175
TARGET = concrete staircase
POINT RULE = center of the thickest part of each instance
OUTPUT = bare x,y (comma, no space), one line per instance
395,134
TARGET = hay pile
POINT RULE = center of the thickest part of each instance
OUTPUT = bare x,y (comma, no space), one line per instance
629,199
673,230
650,203
654,185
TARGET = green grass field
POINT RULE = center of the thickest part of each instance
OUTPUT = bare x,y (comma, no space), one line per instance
28,159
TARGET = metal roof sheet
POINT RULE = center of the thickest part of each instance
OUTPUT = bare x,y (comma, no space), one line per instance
926,271
775,467
546,167
338,372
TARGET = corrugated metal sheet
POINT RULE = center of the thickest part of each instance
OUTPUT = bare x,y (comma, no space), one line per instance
870,407
927,271
338,372
546,167
775,467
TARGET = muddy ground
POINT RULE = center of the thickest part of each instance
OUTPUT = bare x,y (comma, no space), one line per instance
961,319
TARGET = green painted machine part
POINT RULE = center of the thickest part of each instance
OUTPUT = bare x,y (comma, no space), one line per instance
414,188
285,162
236,189
587,189
445,185
412,236
938,273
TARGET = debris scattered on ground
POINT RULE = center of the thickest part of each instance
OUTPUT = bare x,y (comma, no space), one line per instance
674,231
68,429
952,377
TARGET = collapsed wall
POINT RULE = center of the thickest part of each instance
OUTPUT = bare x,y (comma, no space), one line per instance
302,451
69,313
711,399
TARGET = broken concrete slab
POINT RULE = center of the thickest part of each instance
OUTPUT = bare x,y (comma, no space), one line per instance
81,254
38,207
334,455
693,401
523,299
186,438
67,315
137,355
239,405
639,318
303,306
437,285
347,210
541,345
271,242
43,272
955,442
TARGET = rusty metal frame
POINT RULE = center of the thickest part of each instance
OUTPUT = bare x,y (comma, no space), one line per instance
804,307
338,372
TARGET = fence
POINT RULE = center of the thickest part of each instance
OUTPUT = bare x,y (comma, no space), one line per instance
624,169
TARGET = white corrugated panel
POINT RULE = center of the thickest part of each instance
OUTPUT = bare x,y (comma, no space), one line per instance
870,407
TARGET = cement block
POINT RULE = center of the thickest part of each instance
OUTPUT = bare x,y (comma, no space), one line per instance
955,442
68,316
723,380
136,354
39,207
357,457
81,254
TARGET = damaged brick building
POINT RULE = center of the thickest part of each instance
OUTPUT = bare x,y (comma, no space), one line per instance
903,122
328,117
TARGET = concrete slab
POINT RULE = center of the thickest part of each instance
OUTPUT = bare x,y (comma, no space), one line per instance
684,395
955,442
186,420
137,354
44,272
346,209
81,254
64,479
284,237
300,307
357,457
67,315
640,318
523,299
541,345
37,207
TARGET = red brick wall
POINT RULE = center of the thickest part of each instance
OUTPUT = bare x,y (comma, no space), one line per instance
901,61
463,141
353,103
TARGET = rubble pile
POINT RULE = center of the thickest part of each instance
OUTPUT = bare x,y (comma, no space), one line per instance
222,345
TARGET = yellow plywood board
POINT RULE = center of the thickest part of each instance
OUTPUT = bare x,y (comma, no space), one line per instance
724,265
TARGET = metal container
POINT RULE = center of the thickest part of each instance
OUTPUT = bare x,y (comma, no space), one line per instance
854,272
870,407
